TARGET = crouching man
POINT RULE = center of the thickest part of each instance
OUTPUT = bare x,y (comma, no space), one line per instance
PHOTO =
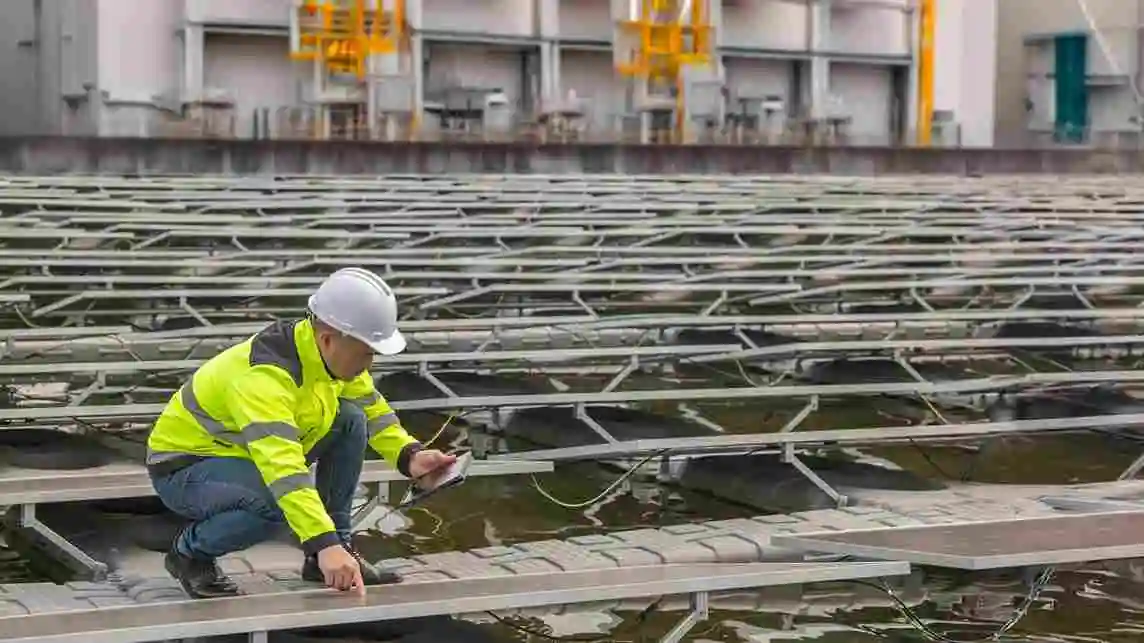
232,450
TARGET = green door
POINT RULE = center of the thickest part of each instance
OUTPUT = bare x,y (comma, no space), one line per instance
1071,67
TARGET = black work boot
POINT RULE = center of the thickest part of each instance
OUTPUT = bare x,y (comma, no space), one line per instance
370,575
199,578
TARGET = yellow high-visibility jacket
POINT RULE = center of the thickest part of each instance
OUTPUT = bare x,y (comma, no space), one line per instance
270,399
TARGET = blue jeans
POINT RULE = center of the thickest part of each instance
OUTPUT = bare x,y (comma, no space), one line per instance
231,508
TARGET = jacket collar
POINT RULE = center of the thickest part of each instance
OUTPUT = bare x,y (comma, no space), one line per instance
313,366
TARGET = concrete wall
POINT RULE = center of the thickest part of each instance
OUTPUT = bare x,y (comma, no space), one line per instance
136,52
48,66
20,82
869,30
967,70
865,92
255,72
48,155
589,75
138,59
234,11
475,66
502,17
1111,101
853,51
777,26
585,19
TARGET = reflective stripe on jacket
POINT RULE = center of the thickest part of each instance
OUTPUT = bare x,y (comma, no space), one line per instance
271,399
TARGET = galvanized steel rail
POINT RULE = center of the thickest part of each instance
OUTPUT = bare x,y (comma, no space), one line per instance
258,615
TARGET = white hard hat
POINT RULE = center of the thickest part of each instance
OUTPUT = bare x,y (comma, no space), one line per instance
360,304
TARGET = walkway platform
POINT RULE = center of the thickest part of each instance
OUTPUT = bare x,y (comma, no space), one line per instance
1053,540
259,615
274,567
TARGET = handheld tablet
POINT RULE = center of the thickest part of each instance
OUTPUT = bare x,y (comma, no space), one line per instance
436,480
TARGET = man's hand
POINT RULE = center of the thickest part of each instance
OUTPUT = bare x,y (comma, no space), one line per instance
429,460
341,569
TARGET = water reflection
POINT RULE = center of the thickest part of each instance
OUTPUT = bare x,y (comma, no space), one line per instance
14,568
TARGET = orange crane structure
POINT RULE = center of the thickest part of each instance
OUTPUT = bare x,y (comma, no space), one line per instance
927,21
655,41
352,45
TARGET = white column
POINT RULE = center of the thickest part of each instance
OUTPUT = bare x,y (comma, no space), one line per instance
717,61
548,26
913,39
193,45
819,64
416,18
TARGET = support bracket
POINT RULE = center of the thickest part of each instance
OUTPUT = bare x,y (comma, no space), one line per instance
700,610
75,555
791,458
193,312
379,493
1133,469
581,413
97,384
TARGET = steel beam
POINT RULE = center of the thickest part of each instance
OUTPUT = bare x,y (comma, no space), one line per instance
257,615
404,359
758,442
133,412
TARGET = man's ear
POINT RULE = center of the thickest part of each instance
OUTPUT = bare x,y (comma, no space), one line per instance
323,337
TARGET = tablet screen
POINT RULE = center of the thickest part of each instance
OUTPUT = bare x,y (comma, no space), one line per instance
445,476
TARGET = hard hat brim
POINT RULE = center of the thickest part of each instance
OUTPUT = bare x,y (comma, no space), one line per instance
391,345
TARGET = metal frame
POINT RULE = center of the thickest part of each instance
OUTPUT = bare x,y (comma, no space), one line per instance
538,236
634,354
258,615
129,412
536,270
786,441
735,444
963,321
27,490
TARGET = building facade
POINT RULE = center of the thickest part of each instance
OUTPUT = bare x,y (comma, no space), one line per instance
1068,72
779,68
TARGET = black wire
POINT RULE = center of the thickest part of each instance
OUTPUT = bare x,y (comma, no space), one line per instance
914,620
924,453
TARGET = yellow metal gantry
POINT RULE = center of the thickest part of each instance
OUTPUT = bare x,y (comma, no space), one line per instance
344,34
927,19
667,36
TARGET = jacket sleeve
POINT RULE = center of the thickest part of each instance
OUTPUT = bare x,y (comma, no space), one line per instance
261,401
386,435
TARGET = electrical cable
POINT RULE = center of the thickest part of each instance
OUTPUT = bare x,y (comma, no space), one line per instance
1036,587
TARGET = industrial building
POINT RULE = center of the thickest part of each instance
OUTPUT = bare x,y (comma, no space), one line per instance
1068,72
842,71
